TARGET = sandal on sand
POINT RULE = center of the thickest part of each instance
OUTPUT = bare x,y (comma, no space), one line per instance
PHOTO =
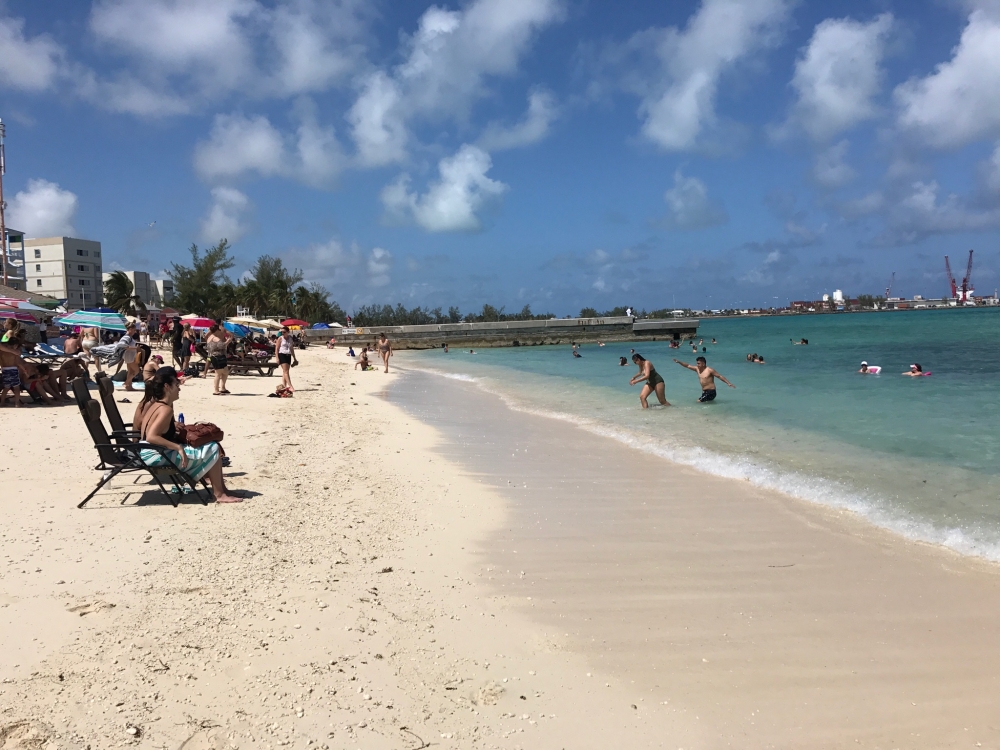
224,391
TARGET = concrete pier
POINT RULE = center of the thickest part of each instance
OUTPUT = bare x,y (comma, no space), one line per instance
517,332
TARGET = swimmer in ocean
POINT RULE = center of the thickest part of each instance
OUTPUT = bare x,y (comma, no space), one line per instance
916,371
622,362
654,381
706,376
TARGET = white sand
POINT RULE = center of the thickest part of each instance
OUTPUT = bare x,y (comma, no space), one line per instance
276,622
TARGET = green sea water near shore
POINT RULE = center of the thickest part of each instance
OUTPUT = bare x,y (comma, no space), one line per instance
918,456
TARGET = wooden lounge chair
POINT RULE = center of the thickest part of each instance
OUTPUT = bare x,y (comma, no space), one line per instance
123,457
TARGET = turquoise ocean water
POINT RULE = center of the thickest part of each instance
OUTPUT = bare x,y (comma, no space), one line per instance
916,455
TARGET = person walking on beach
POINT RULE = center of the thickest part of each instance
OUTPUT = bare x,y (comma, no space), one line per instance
706,376
286,356
654,381
176,345
384,349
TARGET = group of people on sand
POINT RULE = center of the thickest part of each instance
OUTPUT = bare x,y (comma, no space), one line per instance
384,348
43,383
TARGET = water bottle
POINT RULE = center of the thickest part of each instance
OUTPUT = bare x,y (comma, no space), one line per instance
180,417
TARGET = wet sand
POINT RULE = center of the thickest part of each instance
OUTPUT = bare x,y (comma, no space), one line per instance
768,621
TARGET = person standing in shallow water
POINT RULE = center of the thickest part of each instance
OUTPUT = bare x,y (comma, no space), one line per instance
706,376
654,381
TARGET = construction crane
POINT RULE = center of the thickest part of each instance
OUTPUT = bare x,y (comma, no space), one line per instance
951,278
967,288
888,289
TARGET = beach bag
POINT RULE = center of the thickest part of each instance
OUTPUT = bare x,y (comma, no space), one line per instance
202,433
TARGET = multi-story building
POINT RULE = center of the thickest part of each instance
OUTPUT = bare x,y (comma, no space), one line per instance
14,272
165,291
65,267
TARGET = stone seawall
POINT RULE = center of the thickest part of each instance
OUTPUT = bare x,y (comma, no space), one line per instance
516,332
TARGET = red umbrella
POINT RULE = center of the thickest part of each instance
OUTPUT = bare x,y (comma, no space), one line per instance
198,322
293,322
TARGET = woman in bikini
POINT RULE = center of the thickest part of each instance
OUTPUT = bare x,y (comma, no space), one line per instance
157,427
384,349
217,344
89,338
654,382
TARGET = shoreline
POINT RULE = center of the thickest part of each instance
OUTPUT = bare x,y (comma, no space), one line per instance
391,581
742,599
339,606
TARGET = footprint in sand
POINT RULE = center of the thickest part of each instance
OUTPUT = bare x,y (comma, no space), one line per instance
89,608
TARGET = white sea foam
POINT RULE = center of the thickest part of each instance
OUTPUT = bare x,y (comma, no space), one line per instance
821,491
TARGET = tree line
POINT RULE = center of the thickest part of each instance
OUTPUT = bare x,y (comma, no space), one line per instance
269,289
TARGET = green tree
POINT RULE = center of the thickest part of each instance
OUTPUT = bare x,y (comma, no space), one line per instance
589,312
119,295
198,287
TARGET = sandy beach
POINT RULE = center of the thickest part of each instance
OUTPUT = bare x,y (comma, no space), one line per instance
419,566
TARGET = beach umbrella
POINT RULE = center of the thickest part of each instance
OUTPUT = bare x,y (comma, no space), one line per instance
8,311
295,322
236,329
198,322
97,317
268,324
320,325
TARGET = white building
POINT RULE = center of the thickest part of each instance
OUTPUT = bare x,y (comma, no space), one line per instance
164,289
838,296
66,268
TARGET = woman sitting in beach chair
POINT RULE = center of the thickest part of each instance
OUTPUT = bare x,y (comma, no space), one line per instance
156,427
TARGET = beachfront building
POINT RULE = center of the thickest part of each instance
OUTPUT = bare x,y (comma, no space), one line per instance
13,273
153,292
66,268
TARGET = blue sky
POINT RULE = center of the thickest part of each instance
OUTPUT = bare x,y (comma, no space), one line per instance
701,154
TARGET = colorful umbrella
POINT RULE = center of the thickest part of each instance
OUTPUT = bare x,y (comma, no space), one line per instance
237,329
6,311
295,322
197,322
320,325
97,317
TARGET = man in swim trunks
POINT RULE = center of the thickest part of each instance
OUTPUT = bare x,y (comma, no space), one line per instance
706,376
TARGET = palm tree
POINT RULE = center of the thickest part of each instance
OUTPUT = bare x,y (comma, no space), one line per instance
119,295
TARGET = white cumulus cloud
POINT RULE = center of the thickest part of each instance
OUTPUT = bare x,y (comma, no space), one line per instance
240,145
542,111
226,216
452,202
447,61
43,210
379,263
922,211
958,102
27,64
839,74
678,98
689,207
377,122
